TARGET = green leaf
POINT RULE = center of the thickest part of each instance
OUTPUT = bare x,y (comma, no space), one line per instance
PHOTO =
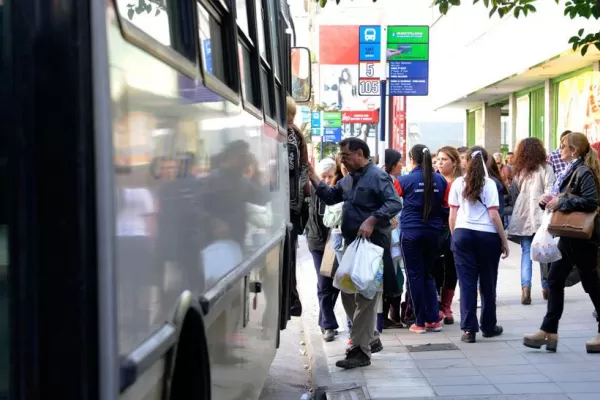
597,44
486,3
475,1
130,13
580,32
493,10
444,8
157,11
517,12
455,3
574,39
584,49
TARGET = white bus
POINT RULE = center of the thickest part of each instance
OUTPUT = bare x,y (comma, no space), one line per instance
145,244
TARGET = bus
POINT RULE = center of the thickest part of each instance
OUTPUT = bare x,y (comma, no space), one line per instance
146,250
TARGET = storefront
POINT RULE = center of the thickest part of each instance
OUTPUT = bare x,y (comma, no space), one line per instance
577,102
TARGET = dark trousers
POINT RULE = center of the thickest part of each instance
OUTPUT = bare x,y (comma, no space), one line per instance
477,255
419,250
326,293
444,272
583,255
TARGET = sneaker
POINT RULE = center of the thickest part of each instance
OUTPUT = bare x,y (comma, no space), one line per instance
328,335
433,327
354,359
496,331
376,346
417,329
468,337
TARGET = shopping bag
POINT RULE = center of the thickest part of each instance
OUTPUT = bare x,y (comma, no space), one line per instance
328,262
342,278
544,247
368,262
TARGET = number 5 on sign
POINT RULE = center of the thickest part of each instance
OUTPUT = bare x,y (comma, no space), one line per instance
370,70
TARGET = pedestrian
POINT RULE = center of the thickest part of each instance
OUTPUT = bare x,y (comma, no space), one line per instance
316,237
424,195
445,270
370,202
478,240
533,178
576,189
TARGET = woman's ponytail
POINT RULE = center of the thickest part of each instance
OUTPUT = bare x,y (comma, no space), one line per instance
422,156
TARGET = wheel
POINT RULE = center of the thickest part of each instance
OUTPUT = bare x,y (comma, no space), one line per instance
191,374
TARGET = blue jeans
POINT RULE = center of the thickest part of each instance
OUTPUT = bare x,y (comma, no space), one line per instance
527,264
326,293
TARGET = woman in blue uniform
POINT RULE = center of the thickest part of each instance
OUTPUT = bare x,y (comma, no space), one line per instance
425,195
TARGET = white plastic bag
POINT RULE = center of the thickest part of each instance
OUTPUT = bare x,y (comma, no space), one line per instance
544,247
342,279
361,269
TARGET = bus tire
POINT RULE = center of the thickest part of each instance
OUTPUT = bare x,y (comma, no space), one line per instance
191,373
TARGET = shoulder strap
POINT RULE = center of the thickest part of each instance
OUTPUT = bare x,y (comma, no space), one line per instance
571,179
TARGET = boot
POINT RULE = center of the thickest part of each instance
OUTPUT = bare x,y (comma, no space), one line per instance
447,296
545,294
593,346
542,338
525,296
396,309
388,323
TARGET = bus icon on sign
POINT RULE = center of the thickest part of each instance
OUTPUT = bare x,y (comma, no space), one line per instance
370,35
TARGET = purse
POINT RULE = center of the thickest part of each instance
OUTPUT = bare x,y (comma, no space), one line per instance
573,224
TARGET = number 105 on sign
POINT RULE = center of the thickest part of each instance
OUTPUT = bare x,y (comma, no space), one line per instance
368,87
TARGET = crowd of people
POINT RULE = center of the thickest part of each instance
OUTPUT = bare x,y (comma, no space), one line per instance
447,223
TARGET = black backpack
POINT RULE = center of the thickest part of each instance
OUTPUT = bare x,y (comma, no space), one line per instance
298,176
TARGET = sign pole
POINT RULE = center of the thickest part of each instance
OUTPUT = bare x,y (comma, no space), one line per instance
381,146
322,136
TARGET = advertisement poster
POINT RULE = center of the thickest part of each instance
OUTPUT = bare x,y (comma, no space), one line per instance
339,69
579,105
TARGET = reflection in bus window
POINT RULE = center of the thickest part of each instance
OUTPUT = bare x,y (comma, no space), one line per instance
274,38
246,74
154,23
242,16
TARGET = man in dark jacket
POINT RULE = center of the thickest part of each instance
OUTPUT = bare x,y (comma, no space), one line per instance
370,202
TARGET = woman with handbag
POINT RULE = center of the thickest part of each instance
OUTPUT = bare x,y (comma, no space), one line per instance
444,272
316,237
533,177
575,191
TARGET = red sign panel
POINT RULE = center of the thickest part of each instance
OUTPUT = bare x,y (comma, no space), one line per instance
357,117
398,137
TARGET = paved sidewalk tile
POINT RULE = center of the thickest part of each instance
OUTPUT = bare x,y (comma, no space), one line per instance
496,368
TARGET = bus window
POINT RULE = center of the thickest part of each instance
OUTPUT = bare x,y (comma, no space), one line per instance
212,46
4,319
154,23
260,29
242,16
247,77
266,95
273,33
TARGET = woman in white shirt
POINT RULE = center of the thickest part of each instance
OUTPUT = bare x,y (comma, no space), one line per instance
478,240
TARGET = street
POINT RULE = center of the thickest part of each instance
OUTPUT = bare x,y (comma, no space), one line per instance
439,364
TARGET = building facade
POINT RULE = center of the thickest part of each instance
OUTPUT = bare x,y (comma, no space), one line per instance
515,78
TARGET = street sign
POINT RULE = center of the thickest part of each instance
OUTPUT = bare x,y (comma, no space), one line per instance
408,60
369,57
315,119
333,135
332,119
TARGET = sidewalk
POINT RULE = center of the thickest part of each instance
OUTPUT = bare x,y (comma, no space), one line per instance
440,365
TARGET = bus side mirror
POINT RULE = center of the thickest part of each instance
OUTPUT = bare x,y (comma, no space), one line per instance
301,74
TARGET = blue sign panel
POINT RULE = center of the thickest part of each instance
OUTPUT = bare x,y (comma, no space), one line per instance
409,69
315,119
409,87
370,34
207,55
369,52
333,135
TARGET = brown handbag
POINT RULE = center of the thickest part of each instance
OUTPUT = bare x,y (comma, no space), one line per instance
573,224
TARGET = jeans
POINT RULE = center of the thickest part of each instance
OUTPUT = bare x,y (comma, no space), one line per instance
326,293
337,241
527,264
